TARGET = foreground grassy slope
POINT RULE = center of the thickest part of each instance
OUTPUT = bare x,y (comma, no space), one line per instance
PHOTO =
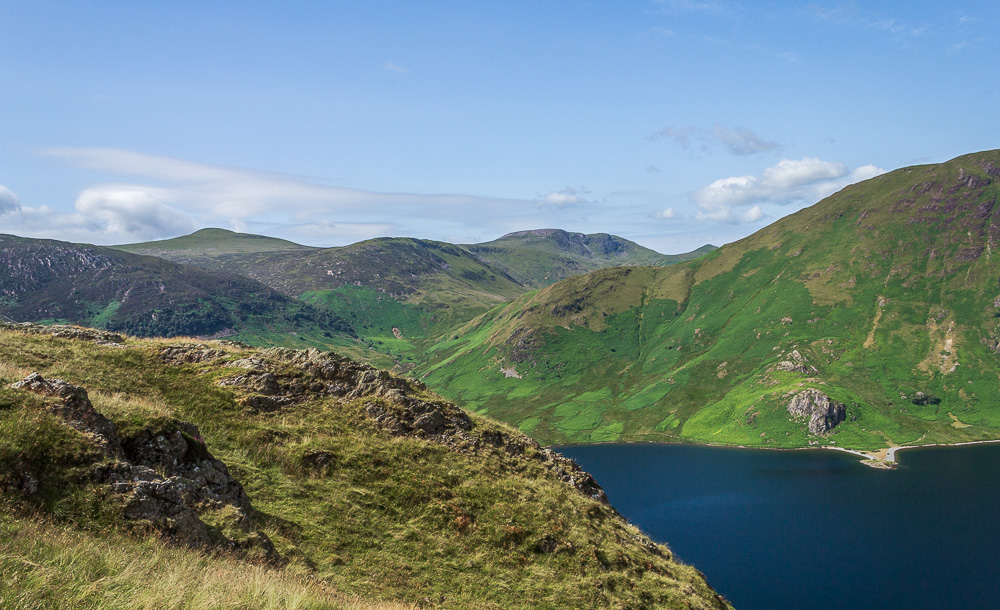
883,296
545,256
363,481
44,564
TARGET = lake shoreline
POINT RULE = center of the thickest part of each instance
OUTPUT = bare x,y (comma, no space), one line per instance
881,459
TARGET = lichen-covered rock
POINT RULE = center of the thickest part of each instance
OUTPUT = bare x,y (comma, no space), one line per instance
100,337
279,377
191,353
792,367
178,451
822,412
74,408
164,475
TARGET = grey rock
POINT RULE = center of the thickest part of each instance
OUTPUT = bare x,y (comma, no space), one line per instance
74,408
823,413
190,353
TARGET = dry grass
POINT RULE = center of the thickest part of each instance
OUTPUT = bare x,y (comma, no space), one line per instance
118,405
47,566
10,372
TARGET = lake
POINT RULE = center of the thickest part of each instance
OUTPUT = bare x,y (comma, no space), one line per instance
817,529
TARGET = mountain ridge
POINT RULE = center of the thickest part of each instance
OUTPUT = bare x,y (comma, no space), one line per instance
879,296
144,295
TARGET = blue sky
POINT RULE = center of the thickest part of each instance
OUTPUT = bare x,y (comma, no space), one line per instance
670,122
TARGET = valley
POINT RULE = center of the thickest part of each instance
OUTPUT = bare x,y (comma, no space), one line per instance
867,322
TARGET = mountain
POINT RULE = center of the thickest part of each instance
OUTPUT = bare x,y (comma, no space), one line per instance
204,246
544,256
414,285
145,473
869,320
148,296
394,292
397,293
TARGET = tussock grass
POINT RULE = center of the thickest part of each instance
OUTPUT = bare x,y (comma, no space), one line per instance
10,372
118,405
43,565
364,512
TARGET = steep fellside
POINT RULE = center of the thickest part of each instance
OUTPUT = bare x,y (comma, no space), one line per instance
144,295
545,256
310,463
870,319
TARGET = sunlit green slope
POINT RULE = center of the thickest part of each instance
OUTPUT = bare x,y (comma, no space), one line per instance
885,297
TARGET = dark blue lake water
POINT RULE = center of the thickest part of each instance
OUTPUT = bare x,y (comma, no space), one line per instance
817,529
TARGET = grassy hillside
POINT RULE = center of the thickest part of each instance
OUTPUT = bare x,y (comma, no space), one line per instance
336,478
394,291
398,294
205,245
55,281
883,297
542,257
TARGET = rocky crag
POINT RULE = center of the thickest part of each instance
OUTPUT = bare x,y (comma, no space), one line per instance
163,477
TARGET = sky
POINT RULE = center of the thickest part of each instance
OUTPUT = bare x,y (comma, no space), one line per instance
674,123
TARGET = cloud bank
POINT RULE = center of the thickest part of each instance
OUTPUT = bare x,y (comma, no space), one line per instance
154,197
804,181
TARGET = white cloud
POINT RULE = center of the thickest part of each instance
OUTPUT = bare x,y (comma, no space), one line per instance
131,212
738,141
237,194
8,201
392,67
804,181
667,214
569,196
152,196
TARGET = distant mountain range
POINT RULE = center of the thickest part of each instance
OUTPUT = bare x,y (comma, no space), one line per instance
393,290
46,280
868,320
392,294
542,257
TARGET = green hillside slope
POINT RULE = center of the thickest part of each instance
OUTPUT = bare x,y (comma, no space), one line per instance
338,478
884,298
542,257
205,245
392,290
144,295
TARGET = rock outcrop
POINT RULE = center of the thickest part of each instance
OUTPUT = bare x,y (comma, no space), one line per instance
100,337
277,378
164,474
75,409
822,412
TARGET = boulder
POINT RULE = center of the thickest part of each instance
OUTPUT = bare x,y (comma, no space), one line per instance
822,412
